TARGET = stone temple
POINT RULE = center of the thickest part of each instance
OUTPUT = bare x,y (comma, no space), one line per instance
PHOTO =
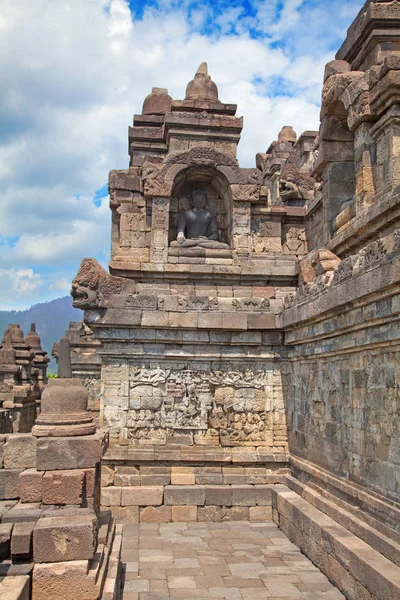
240,360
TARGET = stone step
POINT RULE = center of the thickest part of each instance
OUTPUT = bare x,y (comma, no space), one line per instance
377,540
357,569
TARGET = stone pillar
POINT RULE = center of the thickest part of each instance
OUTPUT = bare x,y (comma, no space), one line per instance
159,227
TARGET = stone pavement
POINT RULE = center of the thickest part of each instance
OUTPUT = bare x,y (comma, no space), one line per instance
233,560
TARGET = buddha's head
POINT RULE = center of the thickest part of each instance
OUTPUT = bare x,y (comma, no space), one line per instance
199,199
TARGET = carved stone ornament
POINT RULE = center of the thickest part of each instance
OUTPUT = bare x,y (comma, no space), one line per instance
93,286
249,379
322,270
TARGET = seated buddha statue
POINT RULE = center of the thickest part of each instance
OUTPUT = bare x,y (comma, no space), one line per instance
198,227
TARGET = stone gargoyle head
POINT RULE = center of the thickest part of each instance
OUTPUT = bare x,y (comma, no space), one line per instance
93,286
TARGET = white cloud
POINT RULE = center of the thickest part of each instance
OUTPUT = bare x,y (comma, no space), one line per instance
17,285
61,285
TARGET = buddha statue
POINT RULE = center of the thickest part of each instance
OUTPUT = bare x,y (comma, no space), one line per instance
198,227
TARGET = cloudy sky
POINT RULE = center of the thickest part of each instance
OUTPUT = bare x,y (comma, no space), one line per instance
73,73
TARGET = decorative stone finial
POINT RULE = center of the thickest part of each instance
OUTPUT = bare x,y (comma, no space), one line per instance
157,103
32,338
287,134
64,410
64,403
202,86
203,69
64,359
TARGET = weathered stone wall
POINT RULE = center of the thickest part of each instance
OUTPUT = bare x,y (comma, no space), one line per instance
344,392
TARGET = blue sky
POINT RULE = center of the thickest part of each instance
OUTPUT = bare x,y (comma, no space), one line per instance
75,71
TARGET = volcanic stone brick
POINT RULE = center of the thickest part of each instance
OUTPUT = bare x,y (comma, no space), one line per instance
20,451
15,588
142,496
9,484
182,476
21,540
155,514
260,513
56,539
62,453
181,495
263,495
66,580
243,495
92,481
63,487
5,540
23,513
218,495
30,485
184,514
111,496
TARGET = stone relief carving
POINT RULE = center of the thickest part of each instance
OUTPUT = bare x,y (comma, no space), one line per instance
154,377
93,286
173,400
327,270
249,379
251,304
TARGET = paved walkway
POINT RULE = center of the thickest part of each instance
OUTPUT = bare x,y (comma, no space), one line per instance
235,561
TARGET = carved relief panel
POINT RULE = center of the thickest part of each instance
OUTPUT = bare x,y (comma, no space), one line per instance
235,407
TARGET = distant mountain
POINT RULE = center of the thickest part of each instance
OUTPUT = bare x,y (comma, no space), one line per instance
51,319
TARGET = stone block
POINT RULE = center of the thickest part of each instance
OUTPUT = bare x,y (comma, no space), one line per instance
183,320
181,495
63,580
92,481
244,495
142,496
125,514
155,480
208,475
239,513
5,540
155,514
209,321
64,453
154,319
260,513
19,452
111,496
30,485
63,487
234,321
182,476
58,539
15,588
9,484
263,495
184,514
126,476
23,513
218,495
21,540
260,321
209,514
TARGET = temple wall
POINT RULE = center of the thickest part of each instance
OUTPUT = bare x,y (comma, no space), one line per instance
344,390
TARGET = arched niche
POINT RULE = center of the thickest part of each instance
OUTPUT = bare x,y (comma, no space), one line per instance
219,199
338,155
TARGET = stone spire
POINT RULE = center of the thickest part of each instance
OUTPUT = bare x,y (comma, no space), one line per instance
202,86
157,103
40,359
